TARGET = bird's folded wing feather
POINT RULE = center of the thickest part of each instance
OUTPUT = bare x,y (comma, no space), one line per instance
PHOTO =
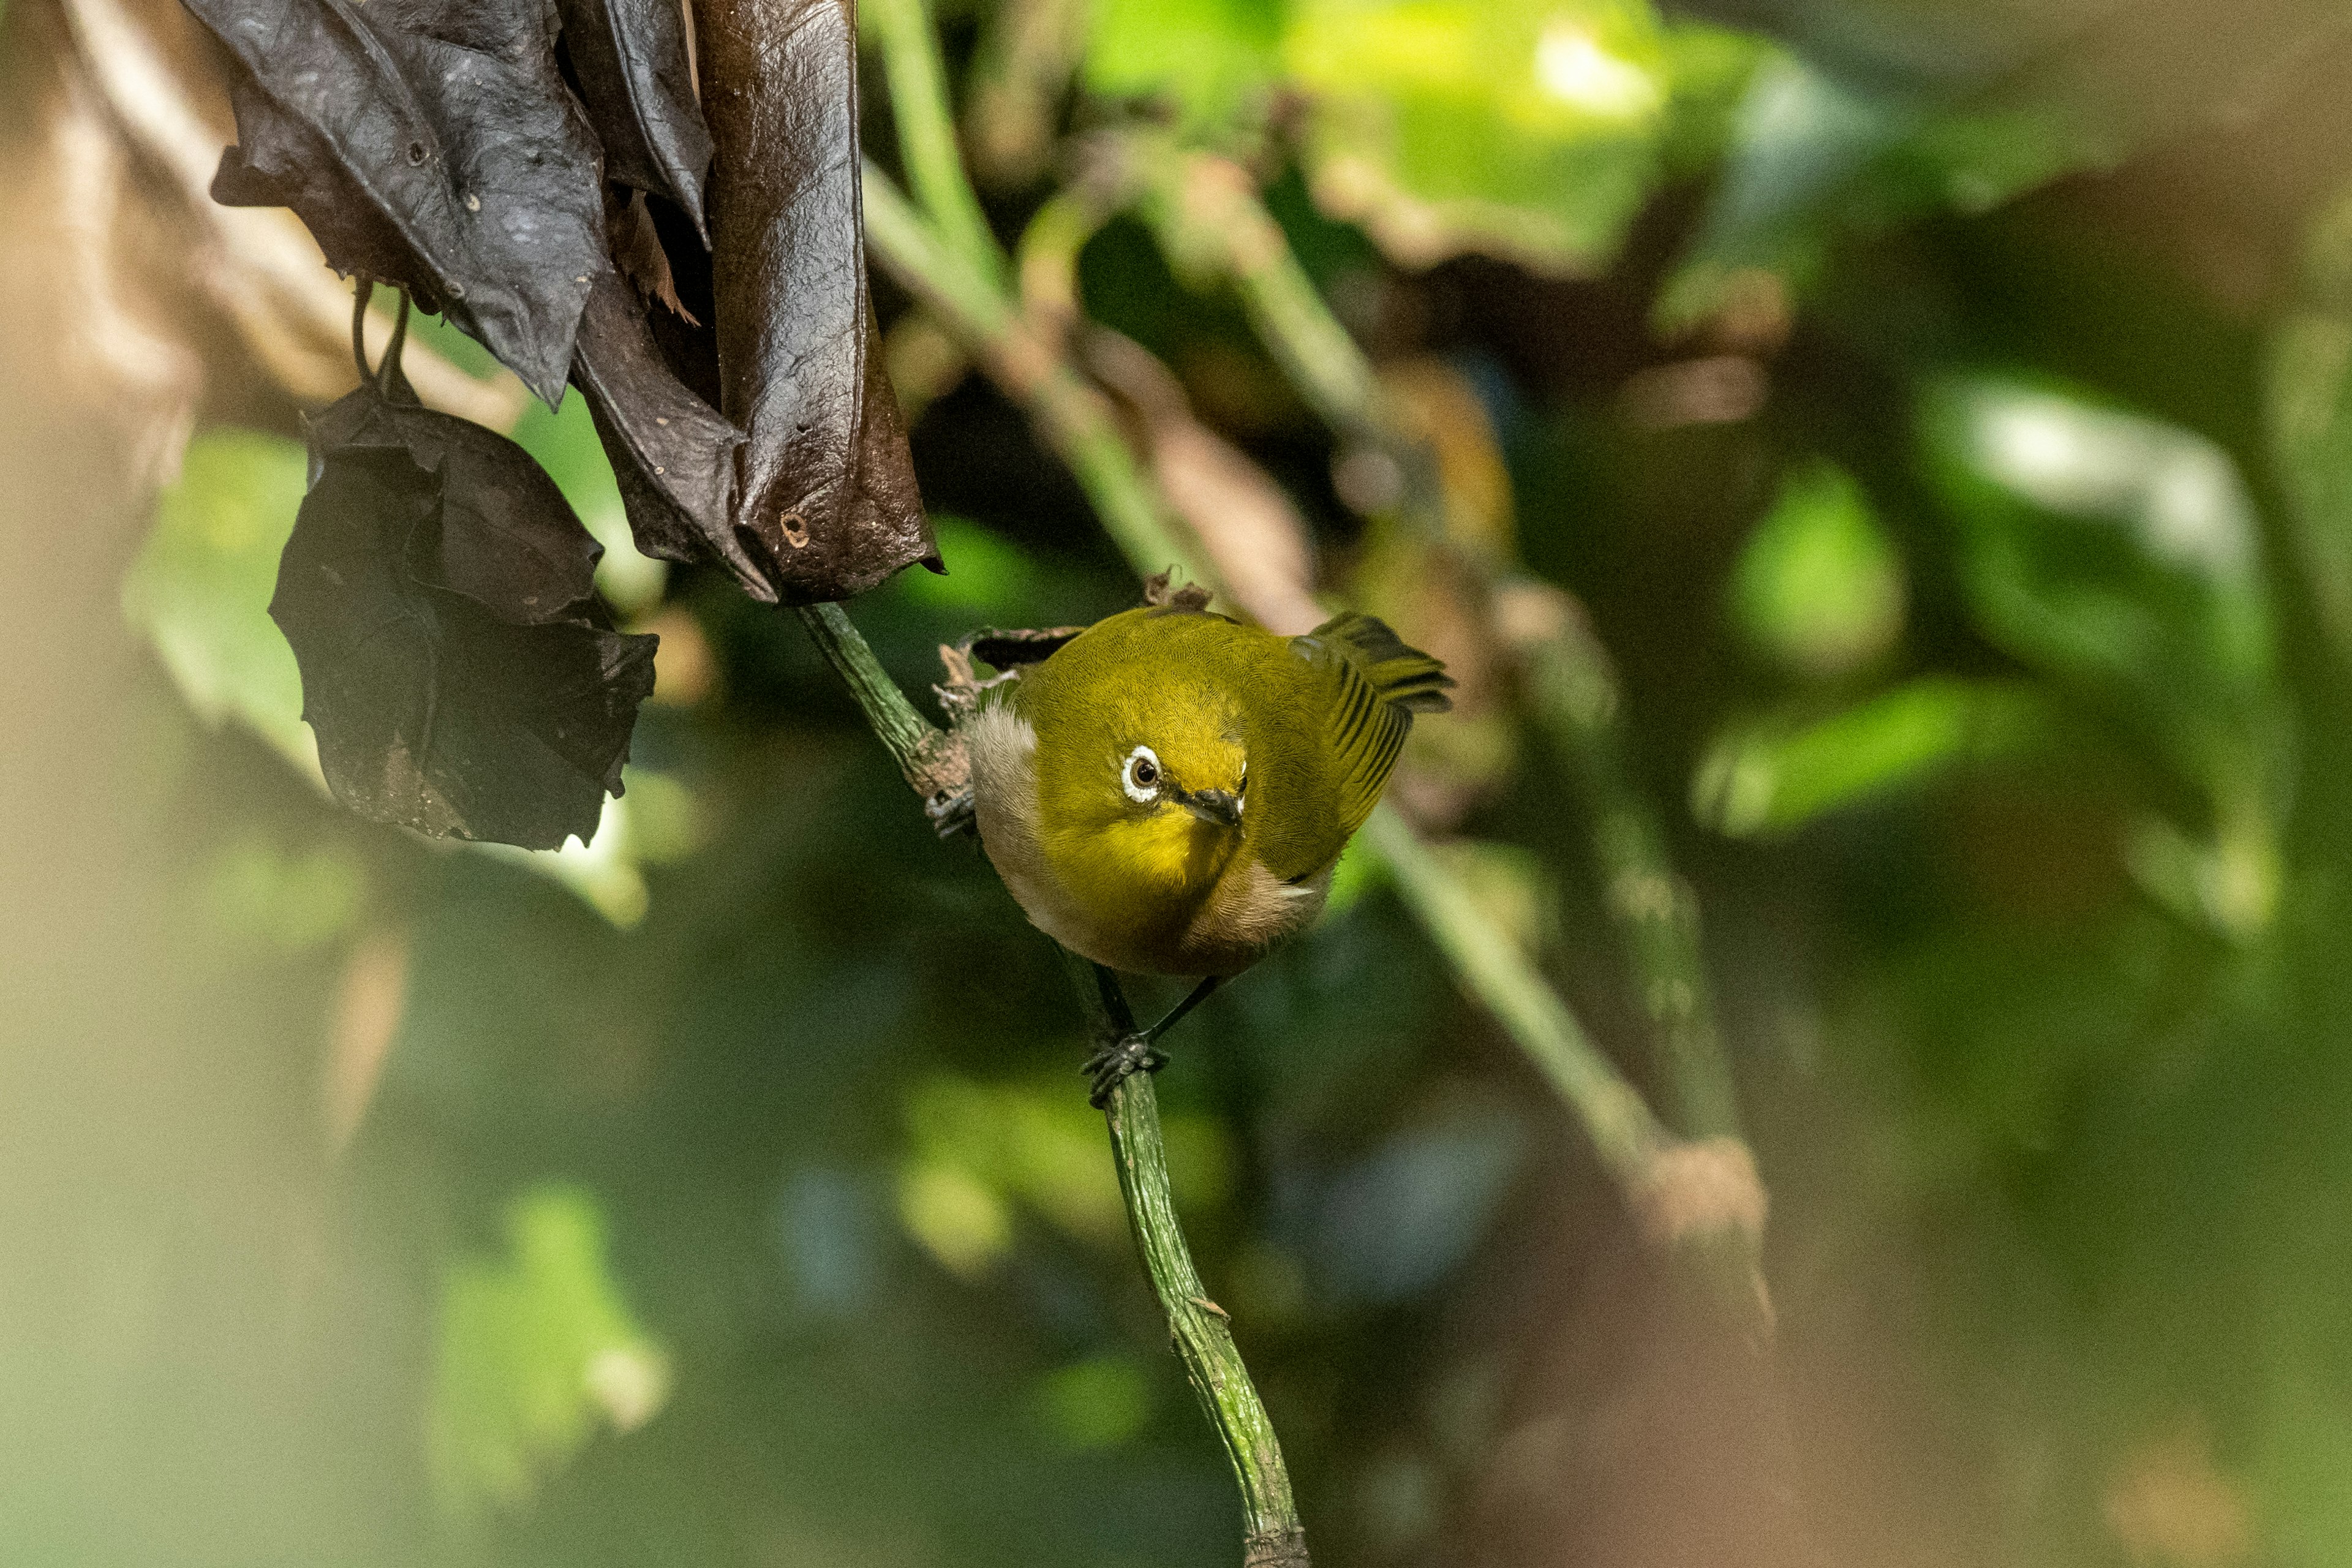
1377,684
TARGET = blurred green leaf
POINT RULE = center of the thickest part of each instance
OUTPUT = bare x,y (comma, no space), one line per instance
1772,778
1819,589
1358,873
2119,552
1100,1403
976,1149
295,901
199,588
988,577
1799,138
537,1350
1528,129
1207,58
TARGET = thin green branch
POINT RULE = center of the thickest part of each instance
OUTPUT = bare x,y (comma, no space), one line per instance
1201,1330
1074,418
1624,1133
926,134
933,761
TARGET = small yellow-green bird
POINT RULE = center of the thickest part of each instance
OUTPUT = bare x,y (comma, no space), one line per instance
1168,792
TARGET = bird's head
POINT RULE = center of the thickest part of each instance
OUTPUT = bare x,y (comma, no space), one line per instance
1158,788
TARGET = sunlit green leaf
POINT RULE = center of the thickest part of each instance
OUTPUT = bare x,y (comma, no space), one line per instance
2119,552
1819,589
1524,127
1207,58
537,1350
1769,778
200,586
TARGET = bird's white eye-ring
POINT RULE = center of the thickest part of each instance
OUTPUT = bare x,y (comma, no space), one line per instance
1140,777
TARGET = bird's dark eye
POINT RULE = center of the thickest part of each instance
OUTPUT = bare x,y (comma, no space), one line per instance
1139,775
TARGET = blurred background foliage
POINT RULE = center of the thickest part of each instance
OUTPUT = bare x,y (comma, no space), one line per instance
1942,411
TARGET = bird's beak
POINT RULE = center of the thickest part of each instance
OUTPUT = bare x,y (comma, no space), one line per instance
1220,806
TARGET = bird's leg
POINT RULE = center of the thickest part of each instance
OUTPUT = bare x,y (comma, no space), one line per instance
1131,1051
1198,995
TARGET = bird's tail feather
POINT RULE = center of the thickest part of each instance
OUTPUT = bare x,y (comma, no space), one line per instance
1403,674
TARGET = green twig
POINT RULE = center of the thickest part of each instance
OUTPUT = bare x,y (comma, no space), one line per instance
1201,1330
1074,418
934,763
927,136
931,758
1624,1133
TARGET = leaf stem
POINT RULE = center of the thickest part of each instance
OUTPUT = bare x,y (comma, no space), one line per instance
932,759
1625,1134
926,134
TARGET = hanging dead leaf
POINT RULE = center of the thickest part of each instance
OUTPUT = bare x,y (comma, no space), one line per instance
828,502
630,58
672,456
460,673
432,143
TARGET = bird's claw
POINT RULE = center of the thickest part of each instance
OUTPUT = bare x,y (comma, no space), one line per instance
1117,1061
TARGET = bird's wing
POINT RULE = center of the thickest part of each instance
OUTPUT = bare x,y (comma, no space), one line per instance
1376,685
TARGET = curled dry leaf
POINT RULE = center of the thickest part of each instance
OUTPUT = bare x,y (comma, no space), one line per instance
630,58
433,145
458,668
637,252
828,503
672,456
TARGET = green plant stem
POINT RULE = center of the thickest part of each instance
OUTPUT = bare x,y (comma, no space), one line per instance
1202,1333
1624,1133
926,135
1074,418
931,758
1201,1330
1574,692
